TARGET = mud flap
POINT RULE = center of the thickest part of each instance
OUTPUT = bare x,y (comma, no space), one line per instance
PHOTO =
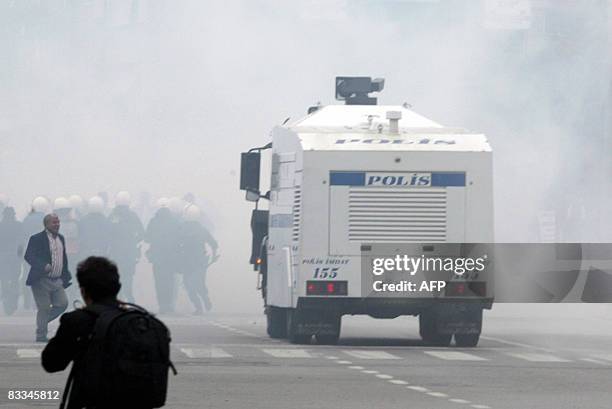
462,318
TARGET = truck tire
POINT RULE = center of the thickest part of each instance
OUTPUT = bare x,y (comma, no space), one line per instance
428,329
466,340
292,329
331,338
276,319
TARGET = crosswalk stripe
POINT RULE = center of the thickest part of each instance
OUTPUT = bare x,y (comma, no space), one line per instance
356,353
29,353
455,356
287,353
534,357
26,351
205,353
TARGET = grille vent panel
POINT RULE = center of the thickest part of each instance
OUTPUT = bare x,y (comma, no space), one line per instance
297,214
393,215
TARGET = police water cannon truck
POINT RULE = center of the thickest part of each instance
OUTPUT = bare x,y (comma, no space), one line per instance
354,184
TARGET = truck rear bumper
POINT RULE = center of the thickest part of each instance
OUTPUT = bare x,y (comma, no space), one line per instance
389,307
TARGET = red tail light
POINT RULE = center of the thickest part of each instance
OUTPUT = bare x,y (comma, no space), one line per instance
326,288
466,289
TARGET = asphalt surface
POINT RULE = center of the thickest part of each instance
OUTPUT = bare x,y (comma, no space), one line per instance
531,356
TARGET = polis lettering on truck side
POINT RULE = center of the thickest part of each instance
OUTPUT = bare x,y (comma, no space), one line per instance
416,179
381,141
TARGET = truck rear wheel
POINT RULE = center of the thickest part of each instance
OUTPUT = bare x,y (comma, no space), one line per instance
466,340
276,319
428,328
331,335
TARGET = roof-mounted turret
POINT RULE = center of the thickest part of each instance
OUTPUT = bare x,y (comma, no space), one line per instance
355,90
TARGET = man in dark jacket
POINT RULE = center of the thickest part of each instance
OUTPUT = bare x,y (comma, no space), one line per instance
30,226
49,275
114,366
98,279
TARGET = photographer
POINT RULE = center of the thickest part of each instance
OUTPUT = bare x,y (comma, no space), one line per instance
121,355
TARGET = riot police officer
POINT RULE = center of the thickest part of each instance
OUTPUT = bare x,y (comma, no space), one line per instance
195,258
126,233
11,251
94,230
162,236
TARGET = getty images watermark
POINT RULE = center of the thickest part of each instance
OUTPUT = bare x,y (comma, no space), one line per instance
507,272
410,266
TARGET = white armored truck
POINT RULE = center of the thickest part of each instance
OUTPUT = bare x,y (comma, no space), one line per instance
351,183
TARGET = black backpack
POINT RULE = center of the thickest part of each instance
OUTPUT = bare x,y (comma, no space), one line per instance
126,361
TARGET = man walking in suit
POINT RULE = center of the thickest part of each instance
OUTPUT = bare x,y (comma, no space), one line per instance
49,275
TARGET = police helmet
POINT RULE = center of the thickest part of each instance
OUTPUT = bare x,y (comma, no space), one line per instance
123,198
40,204
95,205
61,203
76,202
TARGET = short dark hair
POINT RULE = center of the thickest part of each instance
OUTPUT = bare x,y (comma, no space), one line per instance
99,277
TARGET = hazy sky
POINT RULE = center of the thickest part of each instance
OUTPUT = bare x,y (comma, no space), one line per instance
161,96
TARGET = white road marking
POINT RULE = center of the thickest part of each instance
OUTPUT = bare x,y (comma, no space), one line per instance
211,352
455,356
287,353
459,401
532,357
29,353
595,361
382,376
418,388
357,353
234,330
605,357
344,362
20,344
389,378
332,357
517,344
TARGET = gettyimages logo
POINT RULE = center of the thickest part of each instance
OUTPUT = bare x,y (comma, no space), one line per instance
508,272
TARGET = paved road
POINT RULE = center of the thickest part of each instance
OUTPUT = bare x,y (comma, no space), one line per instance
542,356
